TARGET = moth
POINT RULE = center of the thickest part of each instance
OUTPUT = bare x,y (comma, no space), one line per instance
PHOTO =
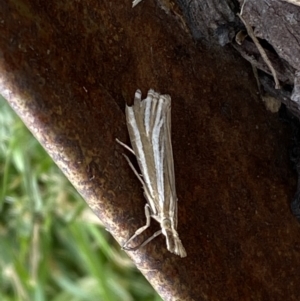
149,127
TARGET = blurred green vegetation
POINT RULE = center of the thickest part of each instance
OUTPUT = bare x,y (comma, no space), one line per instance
52,247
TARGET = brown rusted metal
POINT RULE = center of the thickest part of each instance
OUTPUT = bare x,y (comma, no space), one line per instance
67,69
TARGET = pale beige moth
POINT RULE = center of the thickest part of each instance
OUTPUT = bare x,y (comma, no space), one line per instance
149,127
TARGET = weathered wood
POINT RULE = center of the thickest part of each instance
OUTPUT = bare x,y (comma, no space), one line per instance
276,23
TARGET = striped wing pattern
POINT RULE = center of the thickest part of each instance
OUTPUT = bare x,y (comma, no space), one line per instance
149,127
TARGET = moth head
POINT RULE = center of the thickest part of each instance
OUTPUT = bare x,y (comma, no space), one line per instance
173,241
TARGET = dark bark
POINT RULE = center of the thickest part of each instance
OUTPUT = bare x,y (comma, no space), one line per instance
276,23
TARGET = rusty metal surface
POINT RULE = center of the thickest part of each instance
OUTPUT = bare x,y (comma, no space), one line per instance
67,70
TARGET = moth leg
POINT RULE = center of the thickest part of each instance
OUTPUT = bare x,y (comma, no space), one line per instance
129,162
140,230
125,146
146,192
157,233
134,170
